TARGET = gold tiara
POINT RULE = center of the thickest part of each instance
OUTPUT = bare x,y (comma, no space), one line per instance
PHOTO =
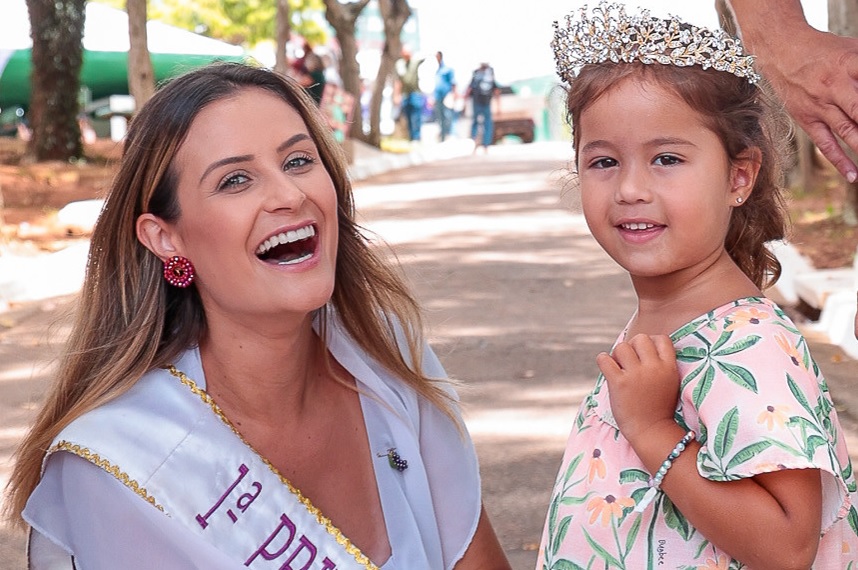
609,34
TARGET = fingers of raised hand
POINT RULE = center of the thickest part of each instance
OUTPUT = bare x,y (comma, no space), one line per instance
645,350
642,357
626,354
607,365
664,345
828,145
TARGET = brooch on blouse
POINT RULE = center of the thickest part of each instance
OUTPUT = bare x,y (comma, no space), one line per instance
394,460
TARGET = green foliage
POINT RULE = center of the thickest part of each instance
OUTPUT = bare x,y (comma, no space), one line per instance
243,22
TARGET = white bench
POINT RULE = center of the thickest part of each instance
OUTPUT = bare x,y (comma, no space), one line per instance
830,291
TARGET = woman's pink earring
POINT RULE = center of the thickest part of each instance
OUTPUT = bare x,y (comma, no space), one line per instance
179,271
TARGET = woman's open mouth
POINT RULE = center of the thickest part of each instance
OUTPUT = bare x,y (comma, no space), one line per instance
289,248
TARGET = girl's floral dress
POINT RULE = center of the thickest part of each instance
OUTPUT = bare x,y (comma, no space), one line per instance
757,402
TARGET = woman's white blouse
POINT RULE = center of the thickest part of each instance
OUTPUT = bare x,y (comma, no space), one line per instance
84,518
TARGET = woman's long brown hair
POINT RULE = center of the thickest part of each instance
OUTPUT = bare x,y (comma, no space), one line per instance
129,321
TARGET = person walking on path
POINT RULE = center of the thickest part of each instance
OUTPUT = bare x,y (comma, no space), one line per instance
710,438
482,90
444,94
407,92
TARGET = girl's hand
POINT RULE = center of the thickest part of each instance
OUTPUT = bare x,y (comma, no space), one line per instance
643,381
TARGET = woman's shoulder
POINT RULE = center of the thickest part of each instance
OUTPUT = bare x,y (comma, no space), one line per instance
157,406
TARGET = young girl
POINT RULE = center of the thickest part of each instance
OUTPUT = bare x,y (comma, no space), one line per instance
717,446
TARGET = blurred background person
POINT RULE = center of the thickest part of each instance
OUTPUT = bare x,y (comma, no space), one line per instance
407,92
309,71
482,90
445,96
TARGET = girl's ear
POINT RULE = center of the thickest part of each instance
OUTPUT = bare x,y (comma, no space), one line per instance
157,236
743,175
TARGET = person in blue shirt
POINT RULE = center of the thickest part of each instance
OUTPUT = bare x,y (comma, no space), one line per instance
445,88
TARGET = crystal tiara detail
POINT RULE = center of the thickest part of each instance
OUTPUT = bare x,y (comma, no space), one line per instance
609,34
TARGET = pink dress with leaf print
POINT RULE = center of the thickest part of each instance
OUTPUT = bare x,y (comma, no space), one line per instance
757,402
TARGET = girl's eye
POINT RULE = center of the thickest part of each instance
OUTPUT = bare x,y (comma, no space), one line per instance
667,160
603,162
298,163
233,181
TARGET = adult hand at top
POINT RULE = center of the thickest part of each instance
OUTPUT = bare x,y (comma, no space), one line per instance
814,73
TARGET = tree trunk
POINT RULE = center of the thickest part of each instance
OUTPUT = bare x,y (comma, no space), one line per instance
394,13
141,76
342,18
843,20
284,30
56,29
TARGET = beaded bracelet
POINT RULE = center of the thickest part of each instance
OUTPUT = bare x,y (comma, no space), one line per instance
655,480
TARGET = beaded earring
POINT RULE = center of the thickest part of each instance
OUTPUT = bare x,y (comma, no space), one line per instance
179,271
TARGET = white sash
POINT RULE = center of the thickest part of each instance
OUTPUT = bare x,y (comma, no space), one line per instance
169,442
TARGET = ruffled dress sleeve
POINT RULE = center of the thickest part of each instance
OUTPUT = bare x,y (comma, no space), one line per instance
759,403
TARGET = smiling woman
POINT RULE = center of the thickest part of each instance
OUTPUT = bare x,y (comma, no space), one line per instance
247,381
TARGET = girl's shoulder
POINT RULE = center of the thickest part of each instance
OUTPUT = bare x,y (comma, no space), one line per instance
752,334
749,313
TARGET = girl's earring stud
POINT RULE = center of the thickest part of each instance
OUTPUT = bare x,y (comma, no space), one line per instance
739,200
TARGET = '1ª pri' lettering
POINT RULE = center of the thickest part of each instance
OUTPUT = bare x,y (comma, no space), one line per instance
300,558
242,503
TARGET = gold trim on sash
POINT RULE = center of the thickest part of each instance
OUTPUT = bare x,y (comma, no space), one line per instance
360,557
105,464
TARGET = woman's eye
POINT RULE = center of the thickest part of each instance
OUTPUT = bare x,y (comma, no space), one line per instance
298,162
233,181
667,160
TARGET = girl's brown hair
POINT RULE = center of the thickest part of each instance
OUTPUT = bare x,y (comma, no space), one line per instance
743,116
129,320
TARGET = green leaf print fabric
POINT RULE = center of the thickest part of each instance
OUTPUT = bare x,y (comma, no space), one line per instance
758,403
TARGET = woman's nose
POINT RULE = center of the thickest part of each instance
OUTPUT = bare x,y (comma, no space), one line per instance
284,192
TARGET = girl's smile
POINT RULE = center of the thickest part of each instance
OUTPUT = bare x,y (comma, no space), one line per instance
639,231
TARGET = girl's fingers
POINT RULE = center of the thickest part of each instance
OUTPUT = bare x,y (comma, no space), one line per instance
625,355
644,347
664,347
607,365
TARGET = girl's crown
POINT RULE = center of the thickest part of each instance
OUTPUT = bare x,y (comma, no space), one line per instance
609,34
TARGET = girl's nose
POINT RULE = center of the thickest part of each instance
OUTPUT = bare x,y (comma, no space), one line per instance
633,186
